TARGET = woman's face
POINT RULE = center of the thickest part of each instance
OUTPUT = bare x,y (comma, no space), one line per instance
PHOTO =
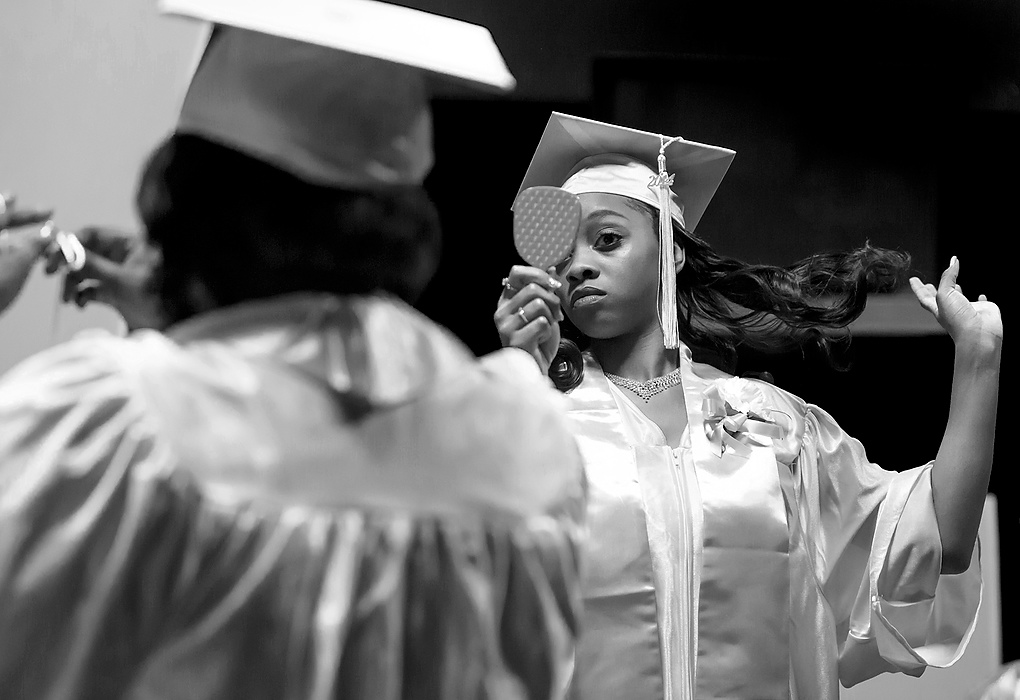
610,281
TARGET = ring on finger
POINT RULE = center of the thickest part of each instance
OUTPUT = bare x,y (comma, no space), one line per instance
73,250
506,284
523,316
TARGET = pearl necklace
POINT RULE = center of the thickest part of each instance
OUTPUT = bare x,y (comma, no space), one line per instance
646,390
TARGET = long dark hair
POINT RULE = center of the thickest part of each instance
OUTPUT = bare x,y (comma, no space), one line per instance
248,230
725,304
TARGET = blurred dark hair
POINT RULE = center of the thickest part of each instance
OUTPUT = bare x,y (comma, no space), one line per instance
725,304
248,230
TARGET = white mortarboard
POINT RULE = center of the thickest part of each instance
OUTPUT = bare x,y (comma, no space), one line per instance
675,176
583,155
334,91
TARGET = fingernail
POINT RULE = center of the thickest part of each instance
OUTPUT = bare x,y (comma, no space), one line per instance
555,283
954,260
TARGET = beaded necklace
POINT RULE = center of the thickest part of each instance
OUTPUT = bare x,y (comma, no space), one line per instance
646,390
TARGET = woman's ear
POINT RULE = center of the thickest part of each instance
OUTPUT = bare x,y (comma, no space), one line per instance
679,256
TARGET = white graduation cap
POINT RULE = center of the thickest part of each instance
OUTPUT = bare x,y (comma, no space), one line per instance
582,155
334,91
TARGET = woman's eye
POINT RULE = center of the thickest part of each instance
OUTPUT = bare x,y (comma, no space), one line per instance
607,239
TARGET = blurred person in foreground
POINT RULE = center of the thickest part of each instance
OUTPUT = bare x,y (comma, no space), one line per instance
297,487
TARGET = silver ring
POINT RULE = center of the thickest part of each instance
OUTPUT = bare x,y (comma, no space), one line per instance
68,244
506,284
524,316
72,249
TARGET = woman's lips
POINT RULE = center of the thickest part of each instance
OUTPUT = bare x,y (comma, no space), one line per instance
586,297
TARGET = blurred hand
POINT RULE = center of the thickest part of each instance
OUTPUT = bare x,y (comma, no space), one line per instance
20,246
13,217
973,325
119,271
528,314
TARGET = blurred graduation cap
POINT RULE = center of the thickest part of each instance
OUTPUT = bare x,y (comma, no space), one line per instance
333,91
675,176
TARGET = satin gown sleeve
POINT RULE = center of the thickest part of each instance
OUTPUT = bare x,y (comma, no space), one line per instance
79,473
123,574
878,557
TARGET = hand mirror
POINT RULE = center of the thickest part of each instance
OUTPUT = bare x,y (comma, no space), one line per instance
546,220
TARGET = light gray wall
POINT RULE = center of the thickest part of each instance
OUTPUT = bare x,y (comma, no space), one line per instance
86,90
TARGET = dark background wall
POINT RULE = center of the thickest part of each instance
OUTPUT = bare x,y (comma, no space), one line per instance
970,44
897,121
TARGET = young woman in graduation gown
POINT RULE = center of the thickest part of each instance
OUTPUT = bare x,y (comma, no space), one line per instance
301,489
741,544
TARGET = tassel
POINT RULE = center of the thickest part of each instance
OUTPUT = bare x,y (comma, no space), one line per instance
662,183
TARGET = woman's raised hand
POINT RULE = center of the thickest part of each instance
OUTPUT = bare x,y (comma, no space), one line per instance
528,313
973,325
